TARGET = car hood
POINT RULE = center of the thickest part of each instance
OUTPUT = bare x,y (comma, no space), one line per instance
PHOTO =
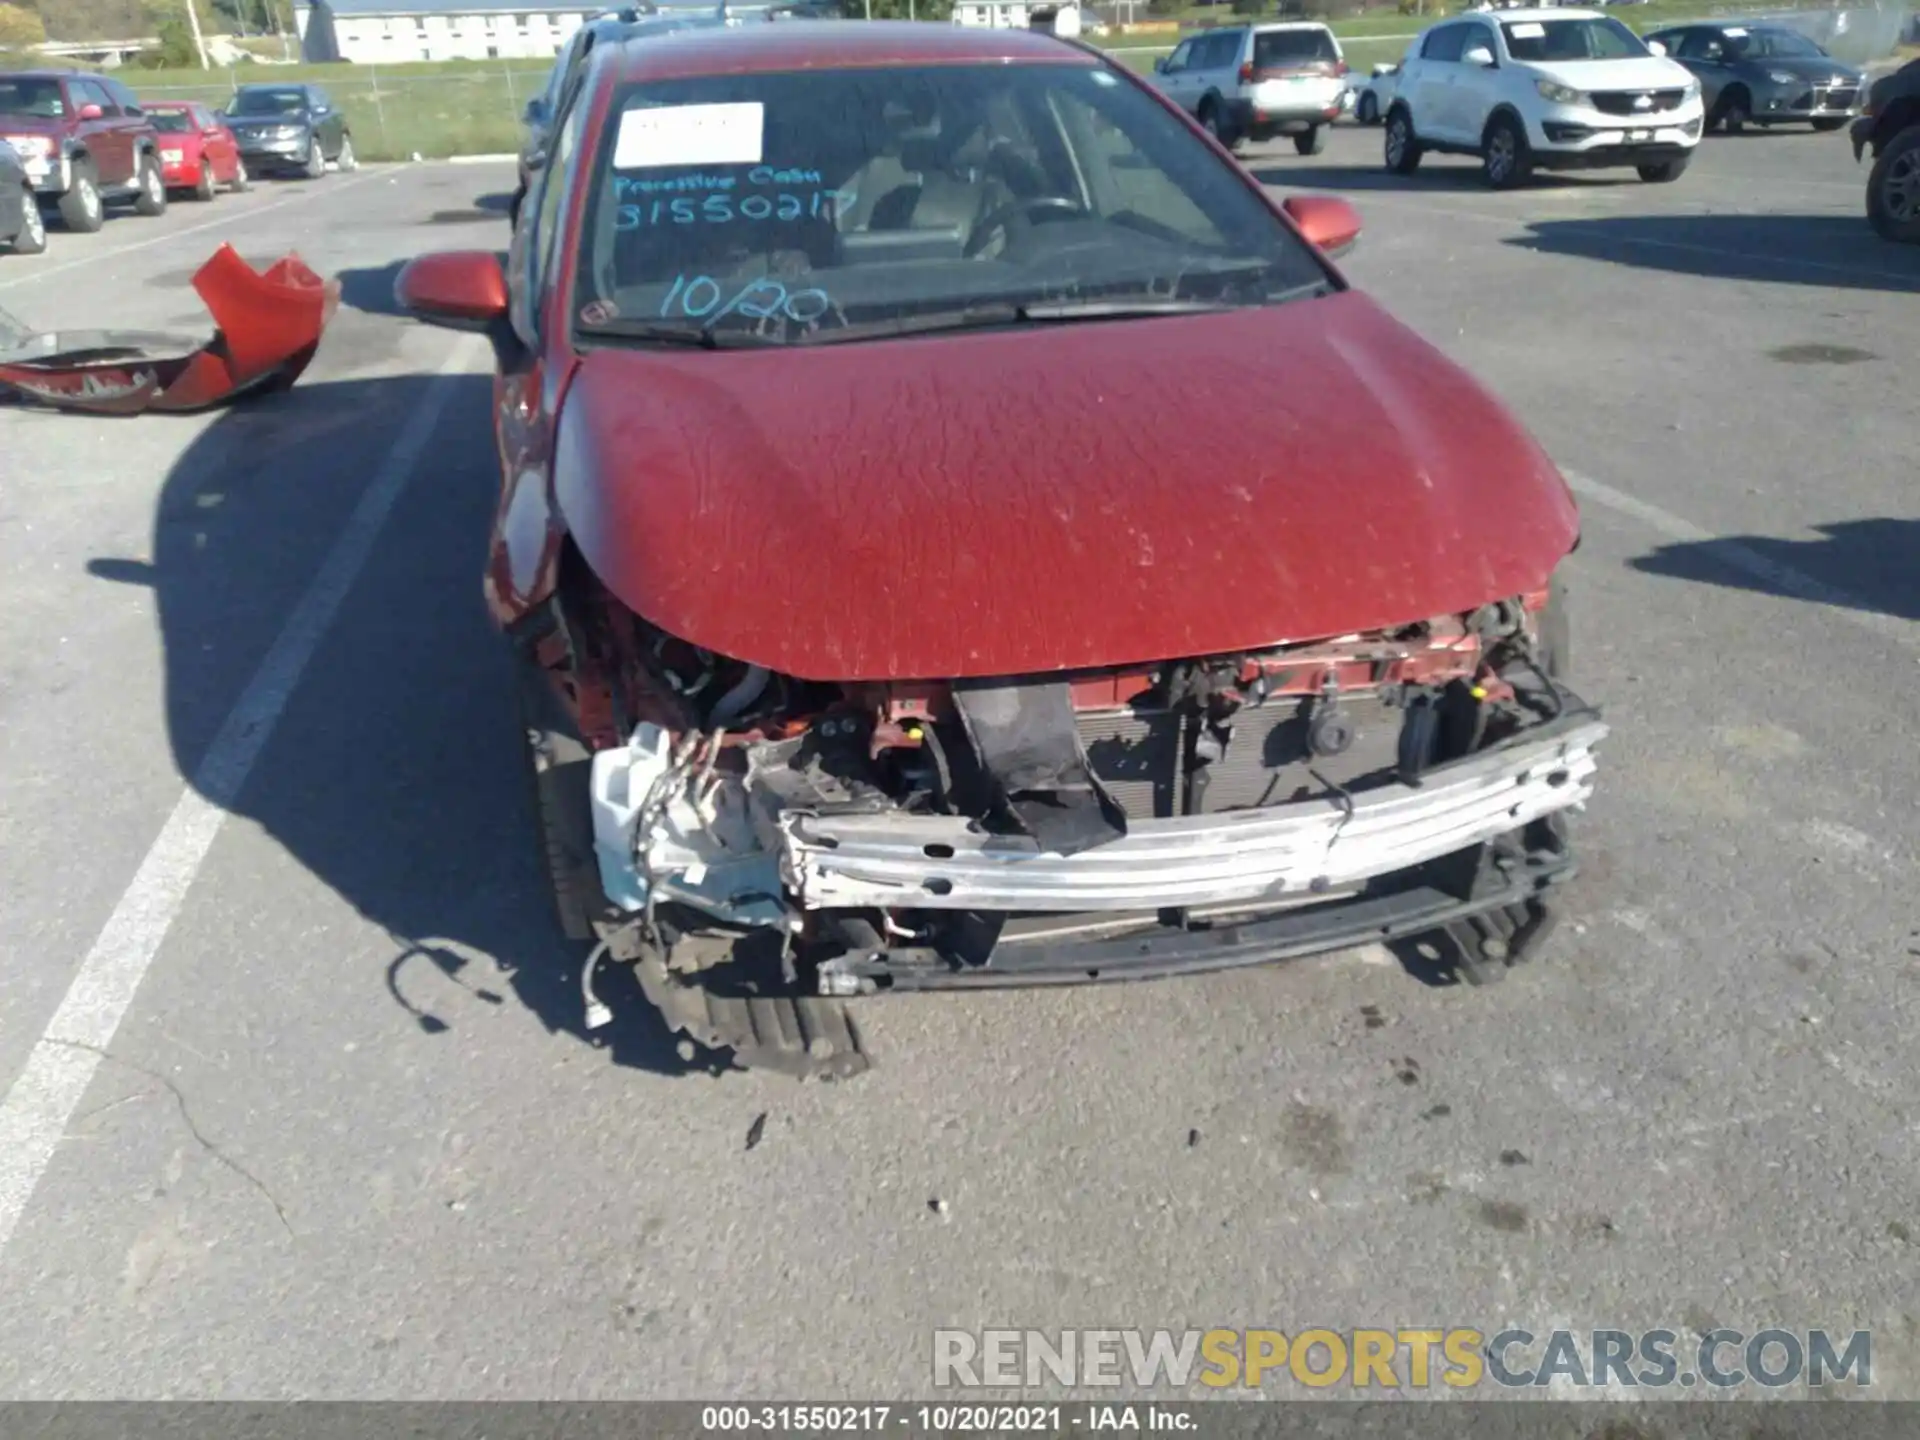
1032,500
1652,72
249,122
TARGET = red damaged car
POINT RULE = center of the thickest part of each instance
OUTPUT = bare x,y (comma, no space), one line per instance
907,603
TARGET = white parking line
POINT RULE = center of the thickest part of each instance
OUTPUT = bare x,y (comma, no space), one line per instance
230,217
41,1102
1783,578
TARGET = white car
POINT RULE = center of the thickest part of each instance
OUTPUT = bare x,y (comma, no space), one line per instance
1547,89
1253,81
1376,95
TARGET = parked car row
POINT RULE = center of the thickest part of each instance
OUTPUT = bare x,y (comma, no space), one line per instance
74,144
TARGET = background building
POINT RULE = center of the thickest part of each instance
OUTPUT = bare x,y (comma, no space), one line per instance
397,32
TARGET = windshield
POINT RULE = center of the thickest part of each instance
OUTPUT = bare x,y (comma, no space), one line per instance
173,122
1772,44
1591,39
31,95
841,204
1284,47
268,102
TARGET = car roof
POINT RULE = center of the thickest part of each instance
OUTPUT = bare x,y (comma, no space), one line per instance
1545,12
835,45
1265,25
44,74
274,85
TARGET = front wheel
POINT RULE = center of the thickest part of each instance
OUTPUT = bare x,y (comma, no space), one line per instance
1505,159
348,160
1893,189
1312,140
1665,172
1829,123
242,181
1367,112
32,238
559,769
80,209
316,165
1401,150
1733,113
203,187
152,199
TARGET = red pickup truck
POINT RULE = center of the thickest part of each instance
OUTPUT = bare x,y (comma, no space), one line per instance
86,143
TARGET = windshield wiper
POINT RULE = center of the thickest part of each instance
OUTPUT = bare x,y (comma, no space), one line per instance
705,337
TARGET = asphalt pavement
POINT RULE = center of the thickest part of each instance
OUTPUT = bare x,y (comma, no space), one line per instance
298,1098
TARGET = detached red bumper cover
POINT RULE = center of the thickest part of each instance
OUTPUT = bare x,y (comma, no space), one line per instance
267,328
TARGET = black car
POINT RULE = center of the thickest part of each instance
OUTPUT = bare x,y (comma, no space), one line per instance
289,129
1890,128
22,228
1764,75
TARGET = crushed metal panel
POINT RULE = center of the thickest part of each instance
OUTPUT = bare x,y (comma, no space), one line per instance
267,327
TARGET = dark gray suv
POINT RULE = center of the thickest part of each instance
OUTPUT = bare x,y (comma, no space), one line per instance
290,129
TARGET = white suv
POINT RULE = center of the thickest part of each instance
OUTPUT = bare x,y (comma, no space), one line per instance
1542,89
1252,82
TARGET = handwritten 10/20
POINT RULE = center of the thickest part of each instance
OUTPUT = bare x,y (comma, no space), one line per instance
699,297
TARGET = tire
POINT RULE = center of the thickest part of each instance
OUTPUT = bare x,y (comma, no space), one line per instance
558,770
1893,189
1401,147
203,188
348,161
1506,161
242,181
1664,172
1829,123
1312,140
152,199
316,165
32,239
1215,126
1734,111
80,208
1367,112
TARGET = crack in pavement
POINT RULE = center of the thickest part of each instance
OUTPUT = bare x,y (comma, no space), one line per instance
186,1118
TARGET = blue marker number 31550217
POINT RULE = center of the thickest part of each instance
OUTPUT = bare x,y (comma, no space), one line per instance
700,297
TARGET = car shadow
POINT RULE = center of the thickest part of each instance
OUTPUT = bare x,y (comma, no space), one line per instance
1865,564
1836,251
1432,177
394,774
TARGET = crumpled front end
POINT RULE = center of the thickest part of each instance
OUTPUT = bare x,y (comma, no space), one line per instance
1125,823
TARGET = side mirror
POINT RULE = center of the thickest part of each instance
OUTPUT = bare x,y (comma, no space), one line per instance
91,112
536,111
1327,222
464,289
1380,70
1160,66
1656,47
1479,55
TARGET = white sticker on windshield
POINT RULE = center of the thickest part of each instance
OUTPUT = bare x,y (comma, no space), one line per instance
1526,30
1734,31
660,135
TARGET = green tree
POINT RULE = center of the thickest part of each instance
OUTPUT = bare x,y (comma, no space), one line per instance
175,50
20,27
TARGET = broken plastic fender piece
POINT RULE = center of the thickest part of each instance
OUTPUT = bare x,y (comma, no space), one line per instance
267,326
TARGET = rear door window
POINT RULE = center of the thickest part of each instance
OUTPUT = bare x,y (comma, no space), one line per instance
1276,49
